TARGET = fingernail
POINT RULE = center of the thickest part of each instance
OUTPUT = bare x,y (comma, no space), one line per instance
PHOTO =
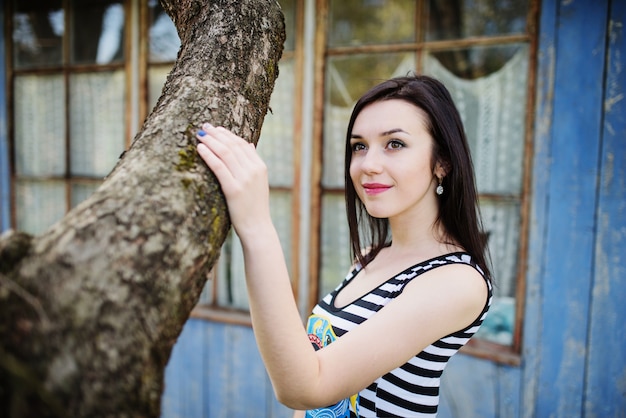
207,125
201,133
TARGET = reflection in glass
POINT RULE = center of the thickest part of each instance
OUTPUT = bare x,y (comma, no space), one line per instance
81,191
347,79
465,19
96,122
231,286
501,221
276,142
335,245
367,22
157,74
37,34
38,204
39,119
97,32
493,109
473,63
289,11
164,42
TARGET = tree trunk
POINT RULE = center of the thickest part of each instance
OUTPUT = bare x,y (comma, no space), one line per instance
90,310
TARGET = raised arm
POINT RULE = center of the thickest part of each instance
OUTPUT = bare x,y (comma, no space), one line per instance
302,377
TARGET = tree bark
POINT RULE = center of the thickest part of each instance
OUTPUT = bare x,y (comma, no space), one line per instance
90,310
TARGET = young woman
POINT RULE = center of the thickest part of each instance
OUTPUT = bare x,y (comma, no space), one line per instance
420,287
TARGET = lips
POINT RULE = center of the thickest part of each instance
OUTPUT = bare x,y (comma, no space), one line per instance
372,189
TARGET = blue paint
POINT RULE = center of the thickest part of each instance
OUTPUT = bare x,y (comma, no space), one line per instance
605,393
216,371
572,191
538,226
184,383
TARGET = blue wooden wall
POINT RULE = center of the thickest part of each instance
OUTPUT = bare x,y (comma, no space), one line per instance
605,377
574,336
216,371
573,359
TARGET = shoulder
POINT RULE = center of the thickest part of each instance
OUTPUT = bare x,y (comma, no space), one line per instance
456,278
457,291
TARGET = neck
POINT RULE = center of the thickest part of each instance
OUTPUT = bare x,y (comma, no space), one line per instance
419,234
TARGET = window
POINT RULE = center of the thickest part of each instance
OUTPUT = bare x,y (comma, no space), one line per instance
84,89
67,85
279,147
481,50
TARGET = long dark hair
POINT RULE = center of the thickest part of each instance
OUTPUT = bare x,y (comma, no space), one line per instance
458,205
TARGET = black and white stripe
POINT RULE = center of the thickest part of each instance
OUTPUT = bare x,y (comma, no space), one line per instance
411,390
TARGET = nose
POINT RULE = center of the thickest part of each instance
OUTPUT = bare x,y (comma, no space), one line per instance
372,161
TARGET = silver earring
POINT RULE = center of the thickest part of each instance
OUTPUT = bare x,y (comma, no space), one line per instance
439,189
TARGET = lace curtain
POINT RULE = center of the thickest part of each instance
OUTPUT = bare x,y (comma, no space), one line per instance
96,130
493,112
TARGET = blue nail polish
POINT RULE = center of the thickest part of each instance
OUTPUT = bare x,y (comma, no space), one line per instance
201,133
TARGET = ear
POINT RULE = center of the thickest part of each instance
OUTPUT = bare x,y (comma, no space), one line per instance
441,169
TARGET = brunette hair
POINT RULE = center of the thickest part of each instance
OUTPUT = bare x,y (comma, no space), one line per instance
458,205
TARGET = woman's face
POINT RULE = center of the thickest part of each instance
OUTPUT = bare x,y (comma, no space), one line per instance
391,167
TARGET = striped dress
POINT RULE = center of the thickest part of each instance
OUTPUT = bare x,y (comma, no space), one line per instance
412,390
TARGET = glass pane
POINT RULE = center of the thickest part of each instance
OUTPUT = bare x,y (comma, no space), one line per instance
97,31
231,285
347,79
97,122
493,110
164,41
156,81
81,191
479,62
39,126
366,22
37,33
335,240
280,208
276,142
465,19
38,204
502,223
289,11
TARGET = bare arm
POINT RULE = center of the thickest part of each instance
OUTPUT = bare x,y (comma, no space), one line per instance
302,377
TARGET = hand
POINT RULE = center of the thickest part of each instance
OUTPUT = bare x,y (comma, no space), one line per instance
241,173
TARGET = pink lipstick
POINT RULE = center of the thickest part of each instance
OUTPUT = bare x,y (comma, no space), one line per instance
372,189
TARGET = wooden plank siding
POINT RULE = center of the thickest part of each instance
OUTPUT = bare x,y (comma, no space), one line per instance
572,190
572,360
605,379
546,62
216,371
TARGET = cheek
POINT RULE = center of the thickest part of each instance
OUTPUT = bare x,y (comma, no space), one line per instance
353,171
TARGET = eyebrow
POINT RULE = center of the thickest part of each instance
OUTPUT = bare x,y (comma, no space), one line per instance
386,133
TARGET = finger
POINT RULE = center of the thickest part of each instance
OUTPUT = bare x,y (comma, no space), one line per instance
222,172
243,153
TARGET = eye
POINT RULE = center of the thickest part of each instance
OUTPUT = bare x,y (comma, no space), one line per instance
358,146
395,144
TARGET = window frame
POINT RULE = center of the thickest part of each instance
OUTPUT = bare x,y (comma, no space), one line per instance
66,69
504,354
303,235
211,309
